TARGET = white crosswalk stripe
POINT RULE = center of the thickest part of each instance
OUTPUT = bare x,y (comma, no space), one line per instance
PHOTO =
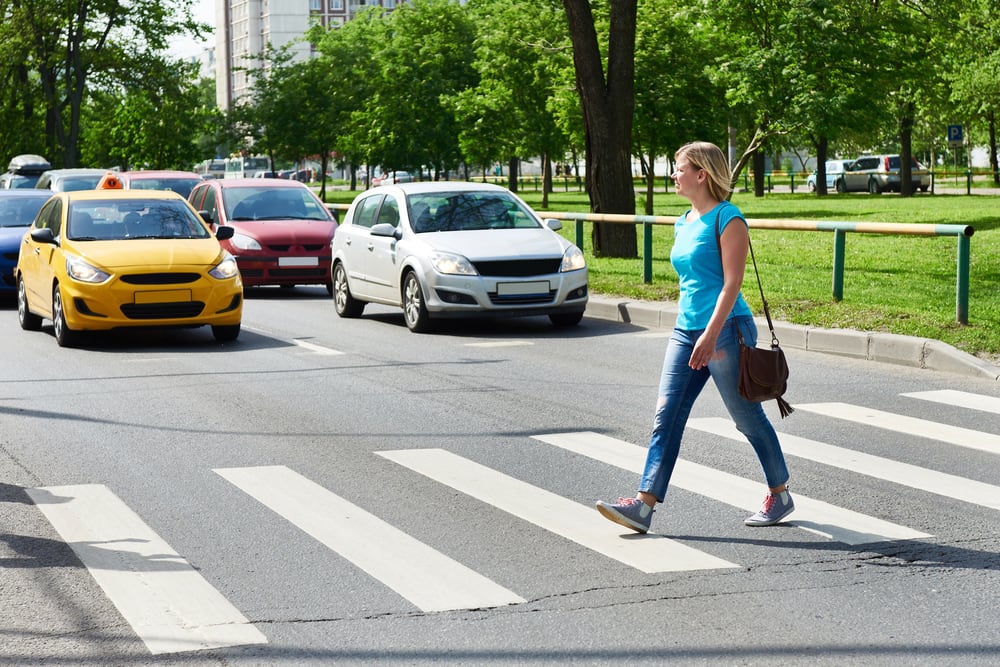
932,481
425,577
924,428
576,522
962,399
815,516
169,605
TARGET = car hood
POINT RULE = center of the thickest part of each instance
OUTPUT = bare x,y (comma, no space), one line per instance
498,243
149,253
10,237
302,232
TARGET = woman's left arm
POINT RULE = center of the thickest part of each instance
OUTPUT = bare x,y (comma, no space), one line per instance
735,242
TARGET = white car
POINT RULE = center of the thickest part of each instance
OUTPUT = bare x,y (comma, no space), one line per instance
452,249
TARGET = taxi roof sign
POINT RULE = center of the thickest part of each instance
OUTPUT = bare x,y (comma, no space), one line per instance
110,182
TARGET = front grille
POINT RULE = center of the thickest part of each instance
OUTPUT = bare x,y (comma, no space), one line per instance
307,248
519,268
160,278
162,311
522,299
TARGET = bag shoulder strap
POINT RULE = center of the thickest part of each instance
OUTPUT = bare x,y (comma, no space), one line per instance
760,286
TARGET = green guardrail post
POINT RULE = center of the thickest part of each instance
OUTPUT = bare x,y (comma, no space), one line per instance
839,236
968,181
962,281
647,252
579,234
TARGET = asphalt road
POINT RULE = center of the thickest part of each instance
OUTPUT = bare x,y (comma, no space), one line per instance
327,490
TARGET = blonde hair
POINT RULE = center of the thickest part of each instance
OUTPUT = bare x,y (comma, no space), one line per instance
706,155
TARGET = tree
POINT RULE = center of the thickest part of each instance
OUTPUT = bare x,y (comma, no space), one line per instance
607,103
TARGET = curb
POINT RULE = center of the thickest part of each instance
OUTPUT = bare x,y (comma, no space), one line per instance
874,346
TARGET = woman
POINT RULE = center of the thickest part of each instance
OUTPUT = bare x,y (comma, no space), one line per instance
709,255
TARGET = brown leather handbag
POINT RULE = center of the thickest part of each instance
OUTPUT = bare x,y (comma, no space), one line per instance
763,371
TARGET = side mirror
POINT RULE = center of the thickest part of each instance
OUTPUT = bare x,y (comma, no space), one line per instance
43,235
385,229
225,232
206,216
553,224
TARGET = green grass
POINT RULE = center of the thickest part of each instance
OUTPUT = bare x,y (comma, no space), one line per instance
897,284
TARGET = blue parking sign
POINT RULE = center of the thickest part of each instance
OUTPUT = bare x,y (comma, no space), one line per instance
955,134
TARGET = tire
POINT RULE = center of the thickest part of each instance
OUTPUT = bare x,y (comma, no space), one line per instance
566,319
841,186
28,320
65,336
226,333
345,304
414,309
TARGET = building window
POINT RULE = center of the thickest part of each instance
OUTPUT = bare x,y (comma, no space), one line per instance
315,5
389,4
336,5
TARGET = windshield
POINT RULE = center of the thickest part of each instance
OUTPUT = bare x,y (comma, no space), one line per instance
19,211
464,211
111,220
270,203
182,186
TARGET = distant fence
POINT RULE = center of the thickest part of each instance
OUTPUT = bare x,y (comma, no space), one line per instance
840,229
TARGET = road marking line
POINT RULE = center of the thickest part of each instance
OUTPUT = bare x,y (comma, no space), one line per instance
954,435
816,516
962,399
169,605
422,575
923,479
318,349
575,522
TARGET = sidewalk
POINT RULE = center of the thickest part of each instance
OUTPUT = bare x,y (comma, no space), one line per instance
884,347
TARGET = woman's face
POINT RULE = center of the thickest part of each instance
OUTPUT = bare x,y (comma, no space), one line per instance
686,177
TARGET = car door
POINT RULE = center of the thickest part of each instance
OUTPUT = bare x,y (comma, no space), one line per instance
857,175
352,240
381,270
37,260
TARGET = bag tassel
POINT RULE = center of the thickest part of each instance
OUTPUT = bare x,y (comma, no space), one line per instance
784,408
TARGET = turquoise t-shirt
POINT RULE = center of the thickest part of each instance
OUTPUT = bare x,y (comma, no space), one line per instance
695,256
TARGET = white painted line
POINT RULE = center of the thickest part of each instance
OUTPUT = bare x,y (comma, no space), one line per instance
953,435
961,399
318,349
579,523
923,479
169,605
815,516
425,577
502,343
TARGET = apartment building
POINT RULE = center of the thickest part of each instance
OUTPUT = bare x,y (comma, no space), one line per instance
244,28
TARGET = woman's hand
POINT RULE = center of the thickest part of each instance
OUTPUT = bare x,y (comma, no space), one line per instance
704,349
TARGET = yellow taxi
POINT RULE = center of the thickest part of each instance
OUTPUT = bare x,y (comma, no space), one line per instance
111,258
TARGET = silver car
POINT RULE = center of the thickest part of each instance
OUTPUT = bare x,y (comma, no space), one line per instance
449,249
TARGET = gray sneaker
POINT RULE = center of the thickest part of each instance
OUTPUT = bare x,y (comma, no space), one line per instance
776,507
629,512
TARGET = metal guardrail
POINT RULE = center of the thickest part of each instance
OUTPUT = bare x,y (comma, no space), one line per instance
840,229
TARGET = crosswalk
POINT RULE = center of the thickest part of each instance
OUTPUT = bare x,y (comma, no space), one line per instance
172,608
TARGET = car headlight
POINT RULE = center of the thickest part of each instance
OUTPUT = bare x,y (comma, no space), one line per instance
244,242
572,260
77,269
225,269
445,262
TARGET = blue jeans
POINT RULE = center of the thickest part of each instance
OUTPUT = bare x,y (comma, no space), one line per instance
679,387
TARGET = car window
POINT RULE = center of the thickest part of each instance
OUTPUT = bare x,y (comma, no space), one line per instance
865,163
467,211
389,212
181,186
268,203
364,212
50,217
19,211
104,220
209,203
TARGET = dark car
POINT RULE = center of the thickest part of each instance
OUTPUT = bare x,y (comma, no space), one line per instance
23,171
283,230
18,209
70,180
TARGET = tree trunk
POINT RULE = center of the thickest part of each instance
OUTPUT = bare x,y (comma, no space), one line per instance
546,179
759,162
607,106
906,149
822,148
513,170
993,149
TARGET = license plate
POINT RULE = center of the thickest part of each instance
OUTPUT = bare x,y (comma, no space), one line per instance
163,296
522,289
298,261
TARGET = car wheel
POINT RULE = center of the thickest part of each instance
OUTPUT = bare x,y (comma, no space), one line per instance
841,186
873,187
29,321
566,319
414,308
345,304
65,336
226,333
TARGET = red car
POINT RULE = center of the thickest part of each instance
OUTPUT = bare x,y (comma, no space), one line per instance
283,230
